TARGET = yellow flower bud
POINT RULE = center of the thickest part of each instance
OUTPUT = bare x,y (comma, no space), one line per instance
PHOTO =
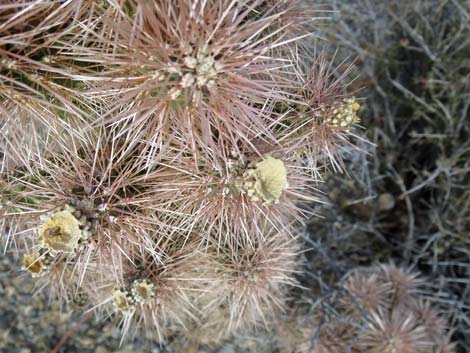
33,264
271,179
60,232
122,300
143,290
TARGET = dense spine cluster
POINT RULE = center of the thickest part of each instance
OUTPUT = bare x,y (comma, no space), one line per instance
383,310
157,156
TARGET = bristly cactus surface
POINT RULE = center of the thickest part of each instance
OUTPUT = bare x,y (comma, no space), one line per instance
383,309
159,157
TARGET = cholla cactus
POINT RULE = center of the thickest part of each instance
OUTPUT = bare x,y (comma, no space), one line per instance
31,80
384,311
197,68
153,156
318,122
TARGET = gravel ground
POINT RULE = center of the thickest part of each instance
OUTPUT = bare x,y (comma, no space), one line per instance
30,324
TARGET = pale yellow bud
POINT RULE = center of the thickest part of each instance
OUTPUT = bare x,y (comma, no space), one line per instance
271,179
60,232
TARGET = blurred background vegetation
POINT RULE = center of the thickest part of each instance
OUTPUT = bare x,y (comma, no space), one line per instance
407,198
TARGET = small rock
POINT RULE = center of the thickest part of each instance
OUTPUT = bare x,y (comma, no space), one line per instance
386,202
101,350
